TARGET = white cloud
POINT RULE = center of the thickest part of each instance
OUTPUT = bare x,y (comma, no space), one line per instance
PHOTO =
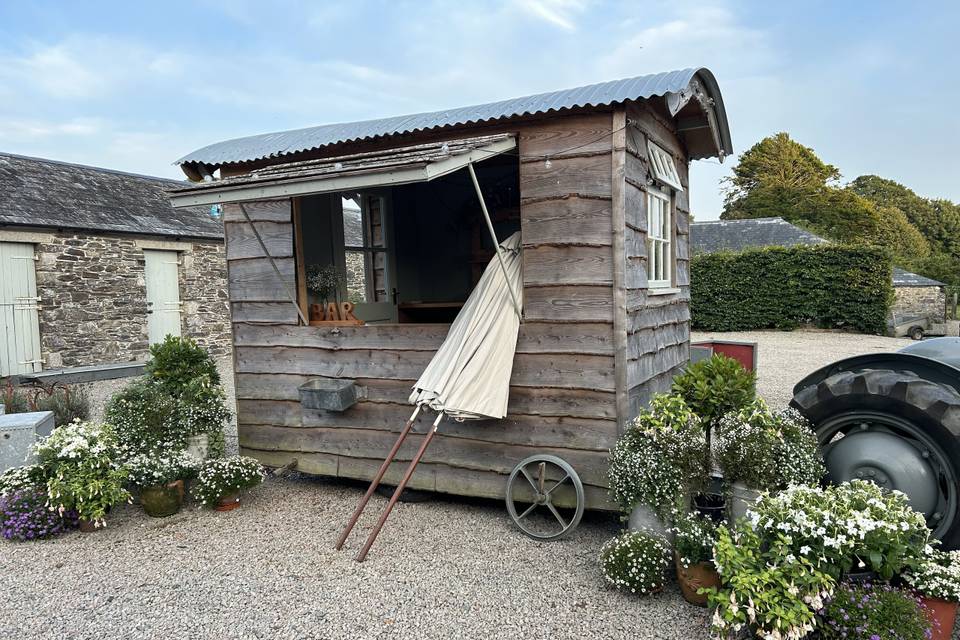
14,130
559,13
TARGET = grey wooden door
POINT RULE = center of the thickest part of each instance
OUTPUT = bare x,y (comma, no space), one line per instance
19,310
161,272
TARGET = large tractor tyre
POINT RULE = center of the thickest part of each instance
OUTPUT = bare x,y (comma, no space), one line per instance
896,429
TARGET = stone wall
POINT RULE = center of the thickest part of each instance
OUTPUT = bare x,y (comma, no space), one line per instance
919,301
93,297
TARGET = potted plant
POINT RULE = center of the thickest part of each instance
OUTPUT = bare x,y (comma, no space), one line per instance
220,481
635,561
658,463
160,479
937,581
870,611
79,462
695,536
758,451
24,515
715,387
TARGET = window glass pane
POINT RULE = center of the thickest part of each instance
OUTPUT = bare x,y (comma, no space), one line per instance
375,214
356,277
379,276
352,224
650,259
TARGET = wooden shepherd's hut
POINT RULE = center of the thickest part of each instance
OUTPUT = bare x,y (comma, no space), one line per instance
351,247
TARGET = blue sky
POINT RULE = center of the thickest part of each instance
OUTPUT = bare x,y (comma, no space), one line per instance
133,86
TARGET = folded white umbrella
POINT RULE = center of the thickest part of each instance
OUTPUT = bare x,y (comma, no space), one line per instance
469,377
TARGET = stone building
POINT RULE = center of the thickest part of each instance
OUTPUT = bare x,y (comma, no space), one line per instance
95,265
914,295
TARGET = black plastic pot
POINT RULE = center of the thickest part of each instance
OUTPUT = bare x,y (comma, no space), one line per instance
711,505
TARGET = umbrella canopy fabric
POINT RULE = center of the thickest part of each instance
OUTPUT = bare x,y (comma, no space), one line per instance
469,377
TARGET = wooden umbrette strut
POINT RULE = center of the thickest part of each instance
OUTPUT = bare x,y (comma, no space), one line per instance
493,236
376,480
400,487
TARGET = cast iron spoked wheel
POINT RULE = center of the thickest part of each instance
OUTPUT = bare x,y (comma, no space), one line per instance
889,427
549,495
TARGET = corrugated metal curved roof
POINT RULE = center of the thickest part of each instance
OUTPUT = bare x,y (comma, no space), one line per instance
596,95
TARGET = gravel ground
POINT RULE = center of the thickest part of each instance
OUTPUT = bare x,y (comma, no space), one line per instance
785,357
441,569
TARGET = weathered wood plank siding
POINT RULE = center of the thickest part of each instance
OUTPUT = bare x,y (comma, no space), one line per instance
562,398
658,326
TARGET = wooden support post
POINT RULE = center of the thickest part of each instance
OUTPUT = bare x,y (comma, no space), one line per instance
619,222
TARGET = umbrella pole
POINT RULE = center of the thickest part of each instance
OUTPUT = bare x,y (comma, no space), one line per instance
493,236
376,480
400,487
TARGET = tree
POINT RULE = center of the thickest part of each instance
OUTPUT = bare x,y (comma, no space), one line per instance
780,177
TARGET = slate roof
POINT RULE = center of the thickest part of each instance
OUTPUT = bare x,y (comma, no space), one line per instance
37,192
736,235
602,94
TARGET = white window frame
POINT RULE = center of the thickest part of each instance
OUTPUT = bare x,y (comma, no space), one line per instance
663,165
659,239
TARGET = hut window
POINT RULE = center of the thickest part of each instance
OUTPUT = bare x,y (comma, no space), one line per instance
659,235
664,168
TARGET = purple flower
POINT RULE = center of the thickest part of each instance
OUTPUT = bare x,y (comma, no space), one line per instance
25,516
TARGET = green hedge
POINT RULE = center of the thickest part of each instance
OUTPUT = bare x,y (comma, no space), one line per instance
831,286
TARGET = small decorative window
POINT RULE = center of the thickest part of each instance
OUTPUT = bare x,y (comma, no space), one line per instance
659,236
664,168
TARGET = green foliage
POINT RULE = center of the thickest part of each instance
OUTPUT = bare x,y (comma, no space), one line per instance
79,462
145,419
937,575
768,451
22,478
177,363
636,561
873,611
695,537
224,477
842,528
831,286
715,386
773,595
67,403
660,459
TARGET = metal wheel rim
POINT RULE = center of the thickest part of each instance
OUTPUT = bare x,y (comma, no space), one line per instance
938,460
518,476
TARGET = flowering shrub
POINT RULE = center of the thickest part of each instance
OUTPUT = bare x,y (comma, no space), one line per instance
223,477
79,462
24,515
873,613
772,594
695,537
177,362
635,560
855,525
324,281
661,456
20,478
714,387
203,409
768,451
149,470
145,420
937,575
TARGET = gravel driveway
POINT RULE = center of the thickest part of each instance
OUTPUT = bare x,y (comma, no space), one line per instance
450,568
442,569
785,357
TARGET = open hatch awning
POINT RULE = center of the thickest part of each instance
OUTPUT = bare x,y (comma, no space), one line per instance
400,165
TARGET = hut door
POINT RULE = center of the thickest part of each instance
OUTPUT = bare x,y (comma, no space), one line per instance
161,272
370,265
19,318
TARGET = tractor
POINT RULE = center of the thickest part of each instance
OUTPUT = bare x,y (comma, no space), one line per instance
894,419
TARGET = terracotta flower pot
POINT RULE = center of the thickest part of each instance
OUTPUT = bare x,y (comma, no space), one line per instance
162,500
228,503
86,526
942,615
696,576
